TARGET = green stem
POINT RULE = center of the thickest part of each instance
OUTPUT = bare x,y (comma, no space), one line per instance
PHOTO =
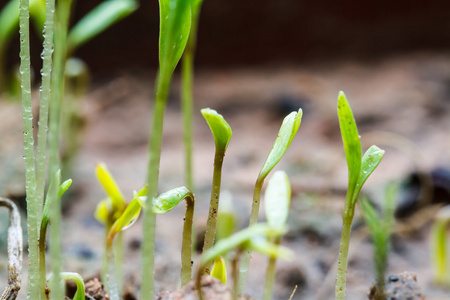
245,260
28,147
118,261
112,276
214,204
42,267
148,245
44,101
270,274
62,14
235,270
347,217
186,256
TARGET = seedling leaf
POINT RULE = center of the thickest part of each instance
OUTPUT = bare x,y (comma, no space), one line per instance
287,132
277,199
262,245
175,16
110,186
102,211
170,199
127,219
99,19
350,138
370,161
79,294
219,270
219,127
62,188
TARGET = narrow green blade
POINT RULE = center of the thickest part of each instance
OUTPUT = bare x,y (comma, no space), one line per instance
277,199
219,127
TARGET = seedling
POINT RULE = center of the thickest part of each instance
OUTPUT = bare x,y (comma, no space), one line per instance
287,132
175,23
439,245
165,203
79,294
276,200
219,270
14,250
253,237
222,134
358,172
380,226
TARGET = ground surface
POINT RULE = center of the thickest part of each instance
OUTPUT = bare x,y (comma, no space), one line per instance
392,99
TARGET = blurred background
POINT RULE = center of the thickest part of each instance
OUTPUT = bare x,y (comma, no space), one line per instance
257,61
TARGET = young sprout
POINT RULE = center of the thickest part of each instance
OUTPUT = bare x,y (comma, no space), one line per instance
165,203
219,269
46,219
358,172
125,220
175,23
14,250
287,132
253,237
79,294
439,245
222,134
380,227
276,200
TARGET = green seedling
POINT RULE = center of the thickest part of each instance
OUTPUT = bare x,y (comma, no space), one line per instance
46,219
380,227
165,203
14,250
108,211
175,23
276,200
79,294
219,270
253,237
222,134
287,132
125,220
439,246
359,169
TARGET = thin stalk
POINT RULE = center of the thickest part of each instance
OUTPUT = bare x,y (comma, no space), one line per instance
148,245
270,274
235,270
245,260
112,276
118,261
57,83
214,204
42,266
341,279
28,147
44,102
186,255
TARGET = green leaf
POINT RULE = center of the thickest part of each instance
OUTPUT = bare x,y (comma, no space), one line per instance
175,24
219,127
352,144
241,238
219,270
62,188
111,188
170,199
277,199
370,161
287,132
127,219
9,20
79,294
99,19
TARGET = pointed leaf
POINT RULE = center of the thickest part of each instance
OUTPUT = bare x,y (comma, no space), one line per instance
350,137
127,219
287,132
277,199
170,199
110,186
219,127
370,161
175,24
239,239
219,270
99,19
63,187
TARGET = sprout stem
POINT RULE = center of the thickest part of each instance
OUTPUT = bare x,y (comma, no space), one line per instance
270,274
214,204
186,256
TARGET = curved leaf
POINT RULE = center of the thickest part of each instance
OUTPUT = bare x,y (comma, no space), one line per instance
219,127
219,270
170,199
175,16
127,219
99,19
277,199
79,294
287,132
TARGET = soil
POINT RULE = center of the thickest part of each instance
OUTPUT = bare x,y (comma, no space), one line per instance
401,104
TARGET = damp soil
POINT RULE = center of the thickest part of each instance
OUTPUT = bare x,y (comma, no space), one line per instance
401,104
